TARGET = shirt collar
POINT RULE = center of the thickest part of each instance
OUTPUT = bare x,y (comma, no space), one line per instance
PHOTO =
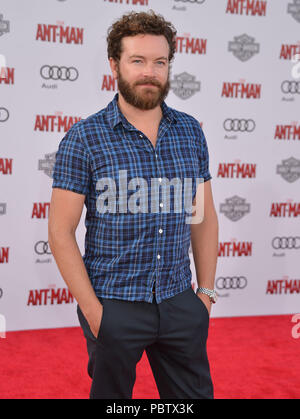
116,116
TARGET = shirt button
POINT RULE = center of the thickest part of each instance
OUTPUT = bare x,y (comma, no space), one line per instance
160,230
156,155
158,256
161,204
159,179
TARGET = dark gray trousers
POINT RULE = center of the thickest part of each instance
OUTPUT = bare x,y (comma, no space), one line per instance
173,334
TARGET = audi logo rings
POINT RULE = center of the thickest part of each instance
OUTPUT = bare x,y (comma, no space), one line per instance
4,114
42,248
243,125
286,243
290,86
59,73
231,282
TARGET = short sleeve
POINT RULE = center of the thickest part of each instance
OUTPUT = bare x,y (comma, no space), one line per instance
203,156
71,168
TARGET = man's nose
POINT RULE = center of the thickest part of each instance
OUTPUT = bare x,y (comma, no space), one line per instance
149,70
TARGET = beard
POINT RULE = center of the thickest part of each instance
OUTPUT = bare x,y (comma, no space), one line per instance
145,98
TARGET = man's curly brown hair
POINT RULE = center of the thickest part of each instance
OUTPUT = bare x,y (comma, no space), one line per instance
134,23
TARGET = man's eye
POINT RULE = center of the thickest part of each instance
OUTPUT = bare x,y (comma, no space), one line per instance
137,61
161,62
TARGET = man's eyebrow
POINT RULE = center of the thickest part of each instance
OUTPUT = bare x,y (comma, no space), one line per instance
141,56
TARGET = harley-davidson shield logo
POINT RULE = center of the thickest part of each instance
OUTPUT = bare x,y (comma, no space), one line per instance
243,47
289,169
235,208
47,164
294,10
184,85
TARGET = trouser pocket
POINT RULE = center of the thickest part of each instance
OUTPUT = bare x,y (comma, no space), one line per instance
201,303
85,326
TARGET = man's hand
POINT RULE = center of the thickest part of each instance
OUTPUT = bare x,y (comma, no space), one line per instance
206,300
65,212
95,321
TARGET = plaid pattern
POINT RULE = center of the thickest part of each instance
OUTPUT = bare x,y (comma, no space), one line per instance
129,253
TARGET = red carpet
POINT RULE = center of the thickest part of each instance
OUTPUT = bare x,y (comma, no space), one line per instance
251,357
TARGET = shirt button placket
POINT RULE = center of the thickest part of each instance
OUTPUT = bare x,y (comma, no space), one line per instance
158,256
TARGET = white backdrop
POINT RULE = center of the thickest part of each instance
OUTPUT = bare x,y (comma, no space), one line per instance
232,71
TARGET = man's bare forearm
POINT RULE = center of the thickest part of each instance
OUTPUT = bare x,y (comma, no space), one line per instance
67,255
204,239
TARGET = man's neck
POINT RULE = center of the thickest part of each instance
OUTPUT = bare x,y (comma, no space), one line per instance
136,115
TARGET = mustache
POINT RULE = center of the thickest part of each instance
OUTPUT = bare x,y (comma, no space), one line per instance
148,81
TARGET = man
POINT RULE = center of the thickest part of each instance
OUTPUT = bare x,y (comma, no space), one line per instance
133,285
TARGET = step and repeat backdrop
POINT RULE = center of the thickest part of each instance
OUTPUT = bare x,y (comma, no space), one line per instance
236,69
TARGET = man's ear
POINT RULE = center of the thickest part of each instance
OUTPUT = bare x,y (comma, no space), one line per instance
113,65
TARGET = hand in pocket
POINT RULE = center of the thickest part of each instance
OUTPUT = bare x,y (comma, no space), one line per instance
95,323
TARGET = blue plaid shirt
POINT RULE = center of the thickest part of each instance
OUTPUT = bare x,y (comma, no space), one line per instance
128,254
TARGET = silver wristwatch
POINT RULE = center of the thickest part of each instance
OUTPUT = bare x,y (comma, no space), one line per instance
211,293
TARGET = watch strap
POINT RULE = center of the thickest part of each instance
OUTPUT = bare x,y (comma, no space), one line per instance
211,293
